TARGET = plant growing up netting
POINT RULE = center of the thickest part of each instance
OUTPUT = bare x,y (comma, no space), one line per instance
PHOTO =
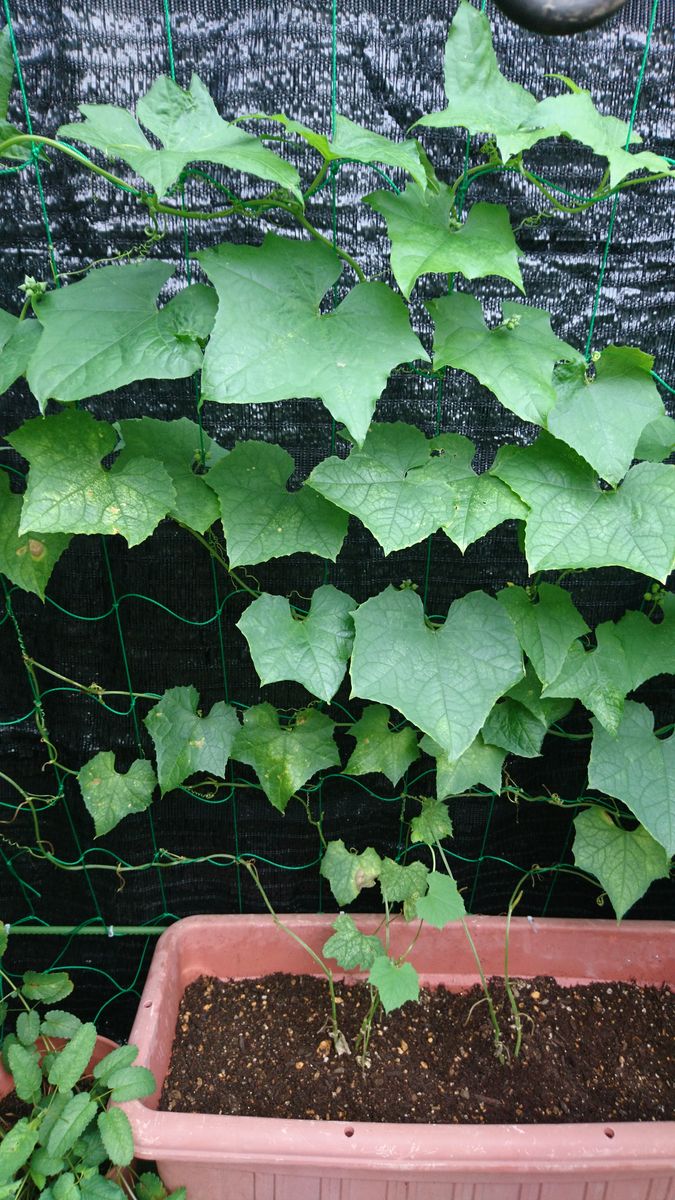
337,510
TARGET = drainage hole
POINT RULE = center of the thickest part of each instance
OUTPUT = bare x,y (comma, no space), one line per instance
609,1133
349,1132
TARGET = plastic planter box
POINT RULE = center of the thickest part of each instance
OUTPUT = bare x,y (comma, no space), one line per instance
251,1158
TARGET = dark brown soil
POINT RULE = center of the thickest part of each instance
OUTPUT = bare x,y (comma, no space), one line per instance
260,1047
11,1111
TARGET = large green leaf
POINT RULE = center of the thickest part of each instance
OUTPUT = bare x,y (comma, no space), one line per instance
349,872
442,903
479,763
16,1148
396,983
515,360
444,680
27,559
350,947
404,486
110,796
575,523
403,884
69,491
285,757
424,241
626,654
187,124
185,742
77,1113
312,650
356,144
261,518
18,340
178,446
379,749
121,335
117,1137
71,1062
603,417
24,1064
625,863
271,342
547,624
638,768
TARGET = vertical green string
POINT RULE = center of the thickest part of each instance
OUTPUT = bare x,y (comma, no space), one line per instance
202,458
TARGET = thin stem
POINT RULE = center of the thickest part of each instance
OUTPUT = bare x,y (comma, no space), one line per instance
302,220
35,140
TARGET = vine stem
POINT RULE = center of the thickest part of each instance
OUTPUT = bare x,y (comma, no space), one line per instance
32,139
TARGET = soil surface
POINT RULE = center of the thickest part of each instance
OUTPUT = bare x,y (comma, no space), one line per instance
260,1047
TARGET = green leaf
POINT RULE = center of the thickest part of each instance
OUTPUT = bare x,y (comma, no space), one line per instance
433,823
284,757
130,1083
90,1149
379,749
519,722
261,518
657,440
403,885
121,334
16,1148
546,625
186,742
117,1137
443,680
442,903
424,241
48,986
312,650
97,1187
354,143
122,1056
109,795
193,312
17,347
27,559
349,947
574,523
45,1164
71,1062
6,71
603,417
625,863
515,360
76,1115
404,486
189,128
479,763
24,1065
348,872
396,982
69,491
28,1027
65,1187
55,1106
150,1187
4,939
270,341
480,98
638,768
177,445
57,1023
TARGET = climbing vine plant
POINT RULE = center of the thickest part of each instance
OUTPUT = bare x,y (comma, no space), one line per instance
593,489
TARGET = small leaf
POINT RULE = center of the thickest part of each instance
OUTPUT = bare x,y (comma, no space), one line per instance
109,795
422,241
117,1137
4,939
150,1187
76,1115
177,444
190,130
479,763
97,1187
657,440
48,986
625,863
90,1149
638,768
432,824
284,757
261,350
130,1083
350,947
16,1148
546,627
312,650
71,1062
69,491
187,743
396,982
24,1065
348,872
57,1023
28,1027
27,559
403,884
379,749
261,518
65,1187
442,903
122,1056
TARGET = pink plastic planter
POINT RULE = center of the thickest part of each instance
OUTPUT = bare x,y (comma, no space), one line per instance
251,1158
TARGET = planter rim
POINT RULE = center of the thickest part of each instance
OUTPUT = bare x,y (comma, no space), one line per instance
352,1147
